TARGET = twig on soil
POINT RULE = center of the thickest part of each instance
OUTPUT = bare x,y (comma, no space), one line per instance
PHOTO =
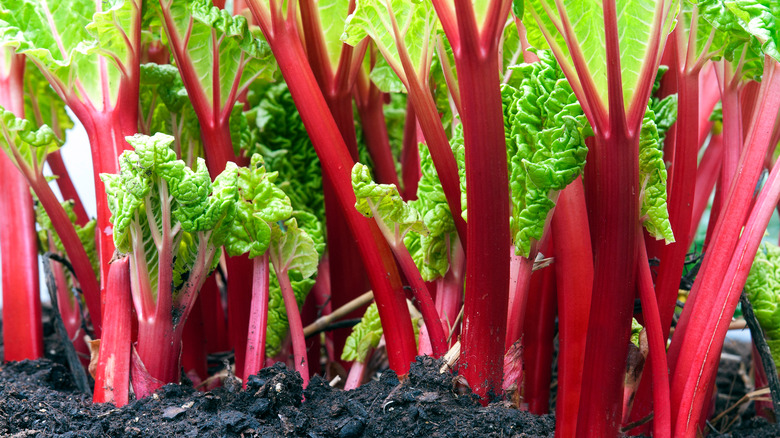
79,375
323,322
763,351
754,395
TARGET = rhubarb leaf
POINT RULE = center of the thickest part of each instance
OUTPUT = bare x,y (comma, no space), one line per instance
365,336
70,40
217,50
333,13
638,21
431,251
730,40
42,104
24,143
652,173
284,143
415,22
761,19
293,249
383,202
168,215
762,287
545,134
261,204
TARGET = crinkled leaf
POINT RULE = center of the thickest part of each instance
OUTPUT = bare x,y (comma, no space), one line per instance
431,251
153,185
761,19
652,169
545,134
284,143
293,249
636,329
383,202
762,288
365,336
24,143
260,204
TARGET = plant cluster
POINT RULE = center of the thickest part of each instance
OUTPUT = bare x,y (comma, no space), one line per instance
483,168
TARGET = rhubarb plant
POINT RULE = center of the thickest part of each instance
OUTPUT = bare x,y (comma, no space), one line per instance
172,221
761,287
89,53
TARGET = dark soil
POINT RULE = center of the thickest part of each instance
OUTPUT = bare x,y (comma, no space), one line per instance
39,399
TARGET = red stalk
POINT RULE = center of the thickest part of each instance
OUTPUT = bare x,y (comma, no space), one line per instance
66,186
239,294
112,381
375,130
709,96
538,334
487,188
410,155
662,422
296,326
449,290
213,316
193,347
518,299
708,347
706,177
337,164
258,320
693,324
732,127
22,328
356,373
574,278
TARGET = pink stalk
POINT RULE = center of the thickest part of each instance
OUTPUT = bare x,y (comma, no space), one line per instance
662,422
518,299
213,316
282,35
66,186
356,373
706,177
370,101
296,326
258,320
410,155
112,381
707,348
693,324
574,278
538,334
22,328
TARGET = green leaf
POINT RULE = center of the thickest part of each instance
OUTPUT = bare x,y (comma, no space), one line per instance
333,14
365,336
636,329
261,204
761,19
217,38
416,22
283,141
24,143
636,22
652,168
545,134
383,202
293,249
431,251
71,39
157,201
42,104
762,288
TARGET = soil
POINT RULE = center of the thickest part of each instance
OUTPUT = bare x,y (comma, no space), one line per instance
39,399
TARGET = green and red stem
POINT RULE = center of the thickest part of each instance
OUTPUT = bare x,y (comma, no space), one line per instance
296,326
65,184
